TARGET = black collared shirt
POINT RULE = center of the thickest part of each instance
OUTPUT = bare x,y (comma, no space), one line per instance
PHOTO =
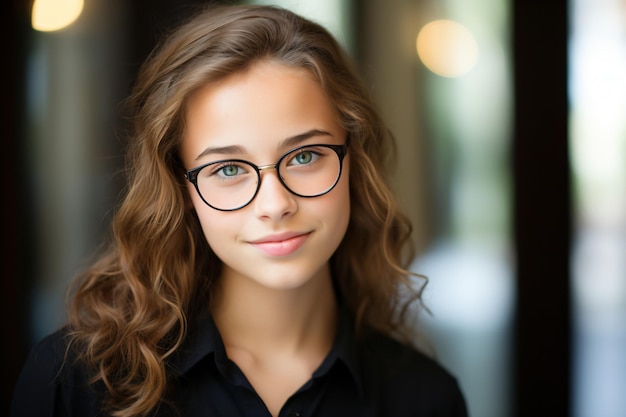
369,376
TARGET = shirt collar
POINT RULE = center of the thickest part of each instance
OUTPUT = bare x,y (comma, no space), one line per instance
344,350
204,339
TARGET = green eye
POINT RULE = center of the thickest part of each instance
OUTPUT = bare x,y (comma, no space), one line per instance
304,157
229,170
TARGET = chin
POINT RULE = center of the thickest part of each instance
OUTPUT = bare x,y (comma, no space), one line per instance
286,279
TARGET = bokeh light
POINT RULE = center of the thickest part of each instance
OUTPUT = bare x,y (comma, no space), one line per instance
53,15
447,48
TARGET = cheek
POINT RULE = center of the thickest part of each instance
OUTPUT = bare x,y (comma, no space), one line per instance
345,198
210,219
220,231
344,186
337,206
345,203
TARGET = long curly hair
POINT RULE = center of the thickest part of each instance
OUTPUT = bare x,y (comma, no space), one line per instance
129,310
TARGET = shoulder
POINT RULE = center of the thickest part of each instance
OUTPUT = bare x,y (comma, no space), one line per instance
50,350
408,380
52,375
44,363
397,359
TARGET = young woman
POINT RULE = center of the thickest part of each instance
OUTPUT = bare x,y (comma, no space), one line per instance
257,265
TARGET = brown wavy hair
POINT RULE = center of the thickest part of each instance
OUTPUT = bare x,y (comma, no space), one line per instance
129,310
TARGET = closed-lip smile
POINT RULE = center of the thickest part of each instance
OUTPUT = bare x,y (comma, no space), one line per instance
281,244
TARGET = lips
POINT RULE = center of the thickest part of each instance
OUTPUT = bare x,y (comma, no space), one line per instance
282,244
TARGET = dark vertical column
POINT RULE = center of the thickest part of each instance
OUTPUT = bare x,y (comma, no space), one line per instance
542,208
16,263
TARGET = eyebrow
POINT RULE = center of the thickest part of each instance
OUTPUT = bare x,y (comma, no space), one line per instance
291,141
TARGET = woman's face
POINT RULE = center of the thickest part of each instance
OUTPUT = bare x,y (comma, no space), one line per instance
279,240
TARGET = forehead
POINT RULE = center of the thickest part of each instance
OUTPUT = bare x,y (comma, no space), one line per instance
256,108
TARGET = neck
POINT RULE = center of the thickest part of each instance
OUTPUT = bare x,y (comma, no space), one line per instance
260,319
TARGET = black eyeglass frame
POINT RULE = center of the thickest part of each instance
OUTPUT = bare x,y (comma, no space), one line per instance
341,151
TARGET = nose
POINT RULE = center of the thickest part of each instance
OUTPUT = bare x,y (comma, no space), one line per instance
273,200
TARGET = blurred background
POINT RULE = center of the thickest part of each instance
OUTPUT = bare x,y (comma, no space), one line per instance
510,117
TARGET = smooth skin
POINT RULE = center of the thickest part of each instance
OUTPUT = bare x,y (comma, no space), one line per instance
275,305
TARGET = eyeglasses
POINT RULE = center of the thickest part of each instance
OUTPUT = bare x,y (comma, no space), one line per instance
232,184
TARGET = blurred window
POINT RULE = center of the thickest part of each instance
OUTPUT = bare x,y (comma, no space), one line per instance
598,154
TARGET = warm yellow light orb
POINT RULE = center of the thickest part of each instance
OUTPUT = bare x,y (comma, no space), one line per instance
51,15
447,48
